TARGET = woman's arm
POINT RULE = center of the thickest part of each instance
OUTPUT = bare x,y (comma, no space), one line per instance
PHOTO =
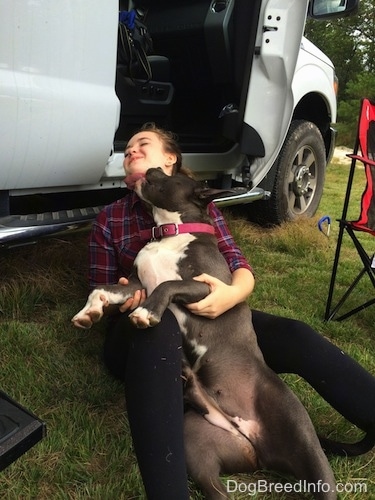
103,267
225,241
103,264
222,296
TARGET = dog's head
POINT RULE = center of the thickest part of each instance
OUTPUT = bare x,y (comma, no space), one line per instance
176,193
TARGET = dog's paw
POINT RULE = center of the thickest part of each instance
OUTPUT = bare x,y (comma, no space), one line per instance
93,310
85,319
82,321
143,318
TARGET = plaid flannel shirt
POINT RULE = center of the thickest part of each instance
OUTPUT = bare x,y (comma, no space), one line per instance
114,240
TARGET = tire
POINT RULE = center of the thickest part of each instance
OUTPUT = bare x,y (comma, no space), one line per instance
299,177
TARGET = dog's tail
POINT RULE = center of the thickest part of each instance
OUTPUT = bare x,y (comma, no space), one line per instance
349,449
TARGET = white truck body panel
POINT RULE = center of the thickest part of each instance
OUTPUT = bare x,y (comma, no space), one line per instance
279,33
314,70
51,82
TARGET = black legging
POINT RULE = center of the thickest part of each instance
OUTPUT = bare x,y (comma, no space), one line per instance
291,346
150,363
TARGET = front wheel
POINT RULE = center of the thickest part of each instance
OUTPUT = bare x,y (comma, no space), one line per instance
299,177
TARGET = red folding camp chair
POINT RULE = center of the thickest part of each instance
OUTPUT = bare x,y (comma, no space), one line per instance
365,143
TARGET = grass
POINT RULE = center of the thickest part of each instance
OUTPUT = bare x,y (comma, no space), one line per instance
56,371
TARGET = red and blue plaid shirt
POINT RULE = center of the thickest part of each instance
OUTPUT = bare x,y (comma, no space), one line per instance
115,242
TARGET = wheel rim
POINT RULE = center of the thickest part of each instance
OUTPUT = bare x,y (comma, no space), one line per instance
302,180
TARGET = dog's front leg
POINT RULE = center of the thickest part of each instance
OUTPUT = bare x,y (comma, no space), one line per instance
100,298
179,292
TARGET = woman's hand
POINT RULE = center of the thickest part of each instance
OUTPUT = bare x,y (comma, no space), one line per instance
222,296
133,302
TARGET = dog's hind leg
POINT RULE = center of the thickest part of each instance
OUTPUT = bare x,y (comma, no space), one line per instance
196,397
311,466
289,442
211,451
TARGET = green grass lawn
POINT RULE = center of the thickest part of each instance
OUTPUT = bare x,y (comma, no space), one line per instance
56,370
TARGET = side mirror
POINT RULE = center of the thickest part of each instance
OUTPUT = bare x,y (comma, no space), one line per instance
324,9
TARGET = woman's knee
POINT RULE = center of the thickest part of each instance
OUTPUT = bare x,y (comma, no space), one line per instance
123,339
116,345
285,342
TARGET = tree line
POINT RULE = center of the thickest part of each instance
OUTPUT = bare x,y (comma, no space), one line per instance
349,43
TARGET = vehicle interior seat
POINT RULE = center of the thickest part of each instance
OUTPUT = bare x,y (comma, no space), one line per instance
144,96
209,45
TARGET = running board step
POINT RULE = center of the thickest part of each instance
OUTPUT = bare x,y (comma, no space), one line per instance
47,218
21,229
241,196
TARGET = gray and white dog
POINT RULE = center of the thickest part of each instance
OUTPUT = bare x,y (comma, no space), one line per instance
240,416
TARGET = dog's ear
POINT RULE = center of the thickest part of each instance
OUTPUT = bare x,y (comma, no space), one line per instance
206,194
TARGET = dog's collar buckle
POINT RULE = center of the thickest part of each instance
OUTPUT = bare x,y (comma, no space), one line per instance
163,231
172,229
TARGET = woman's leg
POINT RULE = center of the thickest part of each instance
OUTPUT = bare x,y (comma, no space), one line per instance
154,401
291,346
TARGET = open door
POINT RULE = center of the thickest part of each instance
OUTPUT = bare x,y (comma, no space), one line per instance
266,121
223,55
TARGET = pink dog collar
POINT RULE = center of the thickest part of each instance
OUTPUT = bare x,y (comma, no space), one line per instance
165,230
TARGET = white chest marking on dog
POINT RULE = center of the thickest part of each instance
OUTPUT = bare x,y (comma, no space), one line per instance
163,216
158,260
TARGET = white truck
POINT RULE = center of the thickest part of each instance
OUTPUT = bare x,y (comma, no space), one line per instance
251,100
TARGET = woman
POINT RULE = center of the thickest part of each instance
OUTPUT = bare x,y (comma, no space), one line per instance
150,362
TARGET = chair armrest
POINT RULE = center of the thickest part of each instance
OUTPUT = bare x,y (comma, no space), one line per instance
362,159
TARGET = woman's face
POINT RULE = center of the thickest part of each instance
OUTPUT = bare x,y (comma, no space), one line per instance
145,150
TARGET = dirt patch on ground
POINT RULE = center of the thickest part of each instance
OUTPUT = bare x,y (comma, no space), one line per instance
339,155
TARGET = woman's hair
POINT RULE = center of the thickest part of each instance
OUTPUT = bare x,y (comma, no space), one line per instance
169,140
